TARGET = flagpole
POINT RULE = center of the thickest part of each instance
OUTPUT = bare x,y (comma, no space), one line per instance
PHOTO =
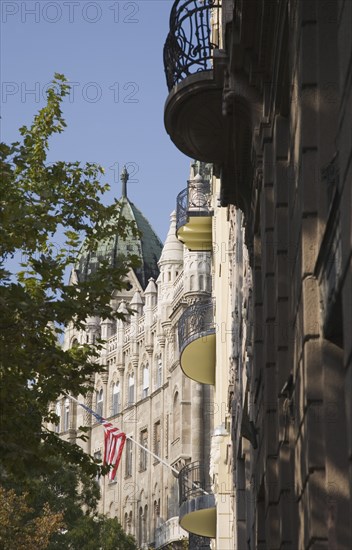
174,471
153,454
163,462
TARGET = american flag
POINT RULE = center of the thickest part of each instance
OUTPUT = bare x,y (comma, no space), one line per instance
114,442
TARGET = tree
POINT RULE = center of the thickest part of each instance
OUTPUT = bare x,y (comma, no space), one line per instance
69,498
40,204
20,531
100,532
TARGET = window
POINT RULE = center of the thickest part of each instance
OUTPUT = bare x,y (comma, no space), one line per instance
159,373
97,457
143,463
116,398
145,390
156,515
176,418
125,523
67,414
99,395
157,438
58,413
145,524
140,526
167,436
128,469
130,389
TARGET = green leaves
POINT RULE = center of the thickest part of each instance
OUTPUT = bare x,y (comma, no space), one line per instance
67,496
47,210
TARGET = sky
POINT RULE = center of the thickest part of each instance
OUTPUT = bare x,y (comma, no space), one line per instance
112,54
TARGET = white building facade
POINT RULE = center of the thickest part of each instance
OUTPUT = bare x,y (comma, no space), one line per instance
144,391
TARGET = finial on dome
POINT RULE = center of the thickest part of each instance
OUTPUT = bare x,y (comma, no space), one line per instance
124,179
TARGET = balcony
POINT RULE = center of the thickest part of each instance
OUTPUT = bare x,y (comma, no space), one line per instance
193,67
169,532
196,336
197,503
194,215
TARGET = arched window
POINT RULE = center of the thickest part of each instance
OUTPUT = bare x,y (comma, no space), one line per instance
159,372
140,526
125,522
116,398
67,414
145,389
143,457
145,524
176,417
167,502
129,458
157,438
130,389
58,413
156,513
100,398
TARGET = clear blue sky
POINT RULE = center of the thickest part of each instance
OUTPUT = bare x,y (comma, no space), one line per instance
112,53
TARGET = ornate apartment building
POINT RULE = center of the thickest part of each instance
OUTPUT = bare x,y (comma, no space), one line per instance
262,89
144,391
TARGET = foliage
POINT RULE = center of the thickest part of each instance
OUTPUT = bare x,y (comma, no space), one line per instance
71,496
99,532
39,202
20,531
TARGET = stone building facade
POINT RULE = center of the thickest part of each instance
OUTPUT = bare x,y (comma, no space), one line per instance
144,391
262,89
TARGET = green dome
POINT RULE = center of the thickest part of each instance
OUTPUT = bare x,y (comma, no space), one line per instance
147,247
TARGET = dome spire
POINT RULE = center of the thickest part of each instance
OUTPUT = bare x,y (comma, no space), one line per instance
124,179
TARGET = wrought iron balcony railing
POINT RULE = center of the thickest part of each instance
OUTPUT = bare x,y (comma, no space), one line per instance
193,201
197,321
193,36
193,482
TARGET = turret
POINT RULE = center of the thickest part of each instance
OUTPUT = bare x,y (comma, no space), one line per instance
93,329
170,265
197,270
137,304
150,293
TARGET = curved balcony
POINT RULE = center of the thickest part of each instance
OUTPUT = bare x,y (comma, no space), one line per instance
197,503
193,110
170,531
194,215
196,336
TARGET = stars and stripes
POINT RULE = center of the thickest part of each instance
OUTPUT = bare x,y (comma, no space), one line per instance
114,441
